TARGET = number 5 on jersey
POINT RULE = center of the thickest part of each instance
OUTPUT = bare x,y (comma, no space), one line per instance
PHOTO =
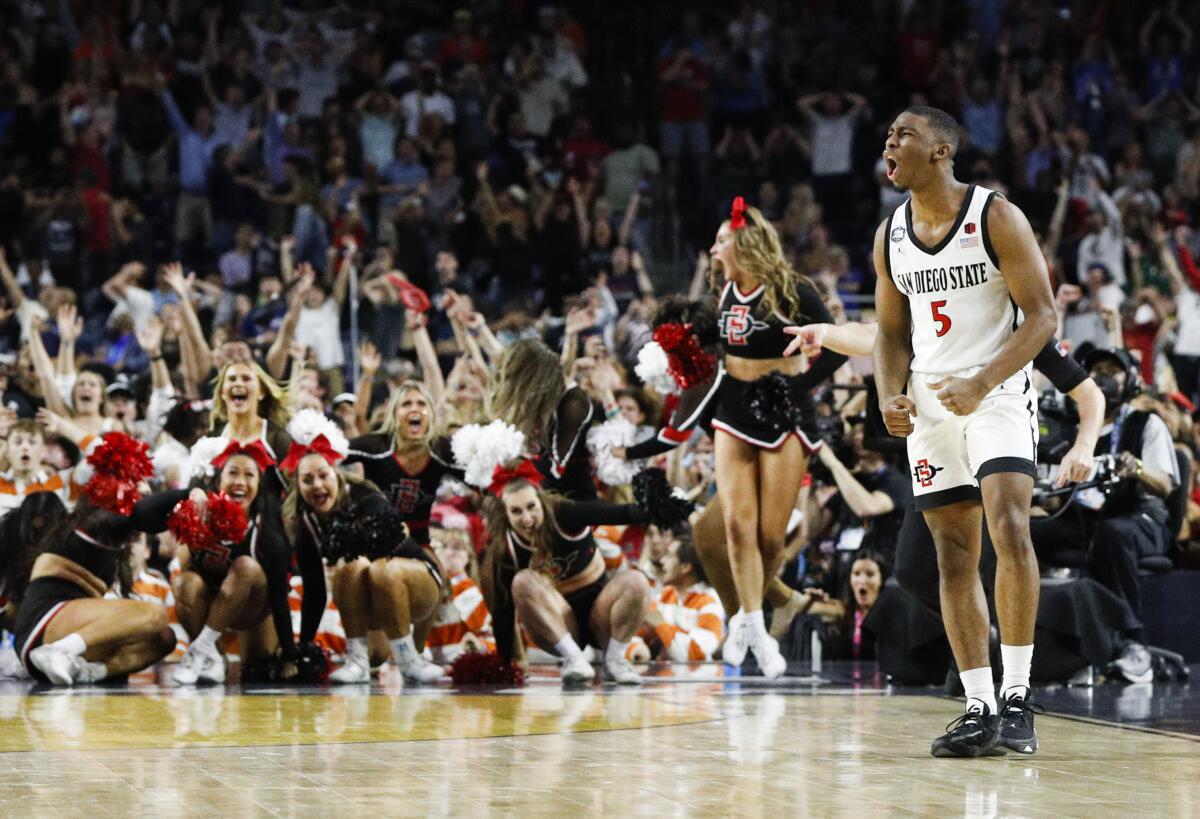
943,321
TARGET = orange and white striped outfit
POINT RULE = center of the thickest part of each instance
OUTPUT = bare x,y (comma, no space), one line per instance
465,613
61,483
330,634
693,627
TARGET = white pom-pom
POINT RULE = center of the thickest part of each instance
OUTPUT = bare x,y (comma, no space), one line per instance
478,450
601,439
203,452
308,424
654,369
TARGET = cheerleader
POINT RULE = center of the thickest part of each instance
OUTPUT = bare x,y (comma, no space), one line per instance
404,459
381,578
546,570
764,418
248,406
531,394
237,586
65,631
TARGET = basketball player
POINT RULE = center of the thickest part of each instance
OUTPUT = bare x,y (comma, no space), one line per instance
964,305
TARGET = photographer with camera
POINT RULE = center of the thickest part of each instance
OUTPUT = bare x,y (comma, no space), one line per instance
873,497
1126,517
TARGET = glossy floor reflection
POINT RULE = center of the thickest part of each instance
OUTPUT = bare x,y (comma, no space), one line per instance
689,743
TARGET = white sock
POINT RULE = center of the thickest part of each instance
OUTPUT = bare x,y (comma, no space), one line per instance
207,638
73,644
980,688
1017,660
753,622
404,650
567,648
356,650
615,650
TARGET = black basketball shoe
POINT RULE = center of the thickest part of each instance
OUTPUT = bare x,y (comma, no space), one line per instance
975,733
1016,723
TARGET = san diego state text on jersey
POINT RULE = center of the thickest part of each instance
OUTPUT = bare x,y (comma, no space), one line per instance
941,279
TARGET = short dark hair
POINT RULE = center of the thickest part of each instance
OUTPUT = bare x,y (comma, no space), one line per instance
685,552
942,123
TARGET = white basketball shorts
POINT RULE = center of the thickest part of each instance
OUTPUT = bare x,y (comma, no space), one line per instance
950,454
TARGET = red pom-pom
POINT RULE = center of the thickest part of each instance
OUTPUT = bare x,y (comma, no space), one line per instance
226,518
189,527
224,521
119,464
687,361
476,668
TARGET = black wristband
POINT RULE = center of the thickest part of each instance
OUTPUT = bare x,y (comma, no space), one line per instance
156,357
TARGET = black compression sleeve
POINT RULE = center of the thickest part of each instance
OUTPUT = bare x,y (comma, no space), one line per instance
1064,372
312,572
575,516
648,449
274,555
150,514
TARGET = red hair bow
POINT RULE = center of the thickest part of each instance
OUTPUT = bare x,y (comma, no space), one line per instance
320,445
737,214
253,450
502,477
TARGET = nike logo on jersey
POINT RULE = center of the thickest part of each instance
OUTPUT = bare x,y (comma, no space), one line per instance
941,279
737,324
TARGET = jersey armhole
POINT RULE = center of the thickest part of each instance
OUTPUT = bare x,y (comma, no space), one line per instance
983,228
887,247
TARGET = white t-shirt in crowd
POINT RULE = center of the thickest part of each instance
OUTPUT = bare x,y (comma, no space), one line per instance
320,329
832,140
1187,309
415,105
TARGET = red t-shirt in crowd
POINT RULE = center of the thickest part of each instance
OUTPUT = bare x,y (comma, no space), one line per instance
680,102
97,236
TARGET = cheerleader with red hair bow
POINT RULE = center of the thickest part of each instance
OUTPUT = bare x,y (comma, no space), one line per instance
66,632
382,579
543,567
235,565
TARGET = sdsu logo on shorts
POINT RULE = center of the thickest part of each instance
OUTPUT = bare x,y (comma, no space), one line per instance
924,472
737,324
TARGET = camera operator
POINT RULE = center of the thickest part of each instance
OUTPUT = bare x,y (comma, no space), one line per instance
1128,519
874,496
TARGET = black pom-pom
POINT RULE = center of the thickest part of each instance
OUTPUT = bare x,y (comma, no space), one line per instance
771,401
313,663
654,495
351,536
264,669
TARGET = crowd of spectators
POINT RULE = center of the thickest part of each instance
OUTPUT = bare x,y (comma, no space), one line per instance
549,170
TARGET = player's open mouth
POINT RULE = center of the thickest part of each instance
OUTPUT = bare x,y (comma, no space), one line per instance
891,164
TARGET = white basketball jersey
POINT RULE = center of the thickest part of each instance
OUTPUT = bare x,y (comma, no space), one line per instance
962,312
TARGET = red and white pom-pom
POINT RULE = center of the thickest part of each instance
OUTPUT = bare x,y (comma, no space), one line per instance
601,439
688,362
116,468
478,450
478,668
204,451
654,369
307,425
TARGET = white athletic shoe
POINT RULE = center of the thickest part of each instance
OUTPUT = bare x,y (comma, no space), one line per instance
351,673
419,670
200,665
766,651
59,667
621,671
737,641
578,672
